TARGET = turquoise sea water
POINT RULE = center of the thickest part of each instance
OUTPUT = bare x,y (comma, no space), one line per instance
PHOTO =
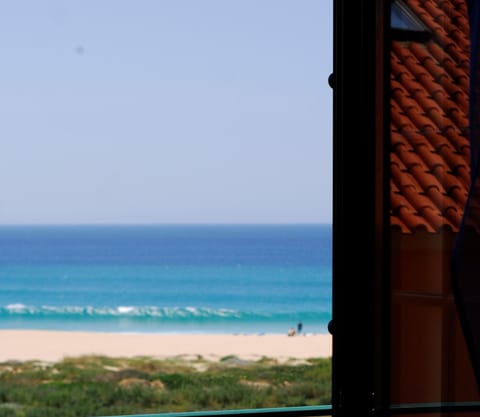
166,279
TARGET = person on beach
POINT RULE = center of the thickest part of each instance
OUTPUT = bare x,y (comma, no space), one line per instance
291,331
299,327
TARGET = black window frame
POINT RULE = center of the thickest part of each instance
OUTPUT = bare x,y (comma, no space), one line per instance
360,319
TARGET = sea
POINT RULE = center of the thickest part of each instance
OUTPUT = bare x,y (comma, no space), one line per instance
168,279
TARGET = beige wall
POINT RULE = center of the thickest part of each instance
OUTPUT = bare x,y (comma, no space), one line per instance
429,360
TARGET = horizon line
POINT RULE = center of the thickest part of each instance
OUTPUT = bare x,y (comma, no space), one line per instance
168,224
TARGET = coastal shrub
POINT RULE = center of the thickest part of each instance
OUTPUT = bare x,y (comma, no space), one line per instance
92,386
178,381
131,373
6,411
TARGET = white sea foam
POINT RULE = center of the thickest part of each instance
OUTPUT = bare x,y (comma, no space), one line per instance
16,307
125,309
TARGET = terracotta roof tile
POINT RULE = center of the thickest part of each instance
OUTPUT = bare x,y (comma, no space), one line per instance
435,219
453,159
438,66
407,155
430,152
424,122
458,117
434,10
460,196
403,124
412,220
397,223
463,172
454,215
461,99
437,139
453,186
444,53
430,184
459,141
431,158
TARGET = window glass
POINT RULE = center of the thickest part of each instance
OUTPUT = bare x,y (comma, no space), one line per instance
403,18
430,168
166,192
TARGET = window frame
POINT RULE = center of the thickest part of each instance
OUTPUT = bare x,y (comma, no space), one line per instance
360,380
361,226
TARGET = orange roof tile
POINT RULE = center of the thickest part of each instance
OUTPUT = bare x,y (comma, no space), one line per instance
430,150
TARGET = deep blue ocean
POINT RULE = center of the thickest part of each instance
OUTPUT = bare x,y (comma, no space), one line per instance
166,279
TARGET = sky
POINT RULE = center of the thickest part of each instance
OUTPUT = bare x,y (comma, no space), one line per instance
165,111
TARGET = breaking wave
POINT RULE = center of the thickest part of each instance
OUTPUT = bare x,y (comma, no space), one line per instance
148,312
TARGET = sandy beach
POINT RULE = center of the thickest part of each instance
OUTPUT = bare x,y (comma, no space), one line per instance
55,345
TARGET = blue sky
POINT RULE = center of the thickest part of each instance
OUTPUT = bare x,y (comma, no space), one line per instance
165,111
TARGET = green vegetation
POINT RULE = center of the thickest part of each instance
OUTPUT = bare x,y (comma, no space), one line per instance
100,386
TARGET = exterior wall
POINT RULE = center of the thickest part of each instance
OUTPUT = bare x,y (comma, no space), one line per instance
429,358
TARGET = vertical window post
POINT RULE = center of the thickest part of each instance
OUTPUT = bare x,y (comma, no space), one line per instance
359,325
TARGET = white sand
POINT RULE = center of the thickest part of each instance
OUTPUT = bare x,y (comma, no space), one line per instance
54,345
